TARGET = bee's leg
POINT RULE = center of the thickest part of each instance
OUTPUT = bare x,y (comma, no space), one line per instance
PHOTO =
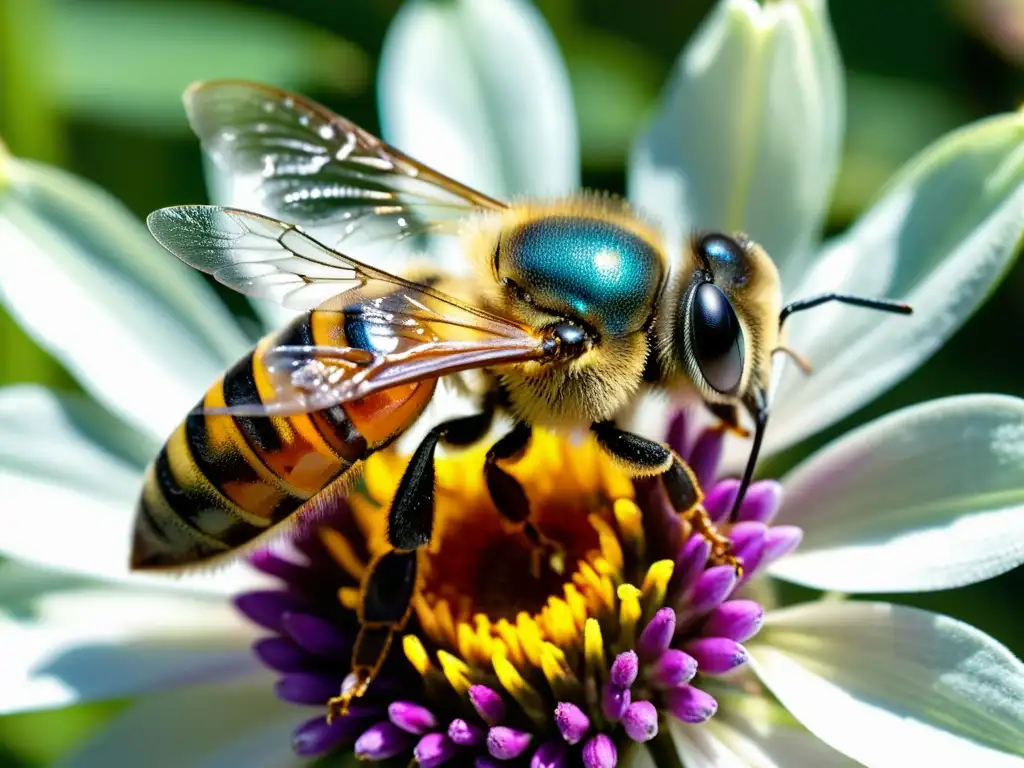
643,457
390,583
385,602
730,416
411,518
511,500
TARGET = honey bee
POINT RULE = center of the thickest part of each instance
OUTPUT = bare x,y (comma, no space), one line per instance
572,308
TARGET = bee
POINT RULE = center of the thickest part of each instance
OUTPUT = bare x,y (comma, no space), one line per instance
572,308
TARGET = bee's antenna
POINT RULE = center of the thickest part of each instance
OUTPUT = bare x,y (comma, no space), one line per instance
758,403
758,407
883,305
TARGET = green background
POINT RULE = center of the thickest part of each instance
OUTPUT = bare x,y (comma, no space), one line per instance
94,86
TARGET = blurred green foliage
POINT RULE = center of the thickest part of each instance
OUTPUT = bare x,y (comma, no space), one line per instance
94,86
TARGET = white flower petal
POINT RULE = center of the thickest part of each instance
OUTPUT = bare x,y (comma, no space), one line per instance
748,133
478,90
752,733
102,643
70,475
237,724
895,686
941,239
930,497
140,330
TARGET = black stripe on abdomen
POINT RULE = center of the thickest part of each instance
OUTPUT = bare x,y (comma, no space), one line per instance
228,468
161,538
240,389
202,508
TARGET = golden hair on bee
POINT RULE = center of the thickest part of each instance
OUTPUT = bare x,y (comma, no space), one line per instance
628,255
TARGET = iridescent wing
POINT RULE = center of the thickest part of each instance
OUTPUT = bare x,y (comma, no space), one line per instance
309,166
409,331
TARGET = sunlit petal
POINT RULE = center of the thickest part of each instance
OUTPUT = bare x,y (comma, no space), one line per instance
85,644
941,239
930,497
749,129
478,90
895,686
206,727
70,475
751,732
142,332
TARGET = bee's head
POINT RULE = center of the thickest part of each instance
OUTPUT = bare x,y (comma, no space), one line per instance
726,318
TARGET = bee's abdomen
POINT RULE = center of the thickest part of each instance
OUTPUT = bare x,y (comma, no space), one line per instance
222,480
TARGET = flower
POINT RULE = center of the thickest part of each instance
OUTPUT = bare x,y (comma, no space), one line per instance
576,662
76,626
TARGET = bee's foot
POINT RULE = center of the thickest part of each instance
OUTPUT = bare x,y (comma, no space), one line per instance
354,686
721,546
741,432
726,557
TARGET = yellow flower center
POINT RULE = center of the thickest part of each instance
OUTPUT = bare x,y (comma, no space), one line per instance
481,601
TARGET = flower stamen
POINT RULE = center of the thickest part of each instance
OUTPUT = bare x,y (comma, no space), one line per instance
569,656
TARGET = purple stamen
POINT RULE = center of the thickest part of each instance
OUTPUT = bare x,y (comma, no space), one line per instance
674,668
433,750
411,718
657,635
712,587
737,620
719,500
641,721
572,722
614,701
624,669
316,635
487,703
465,734
314,737
381,741
780,541
600,752
507,743
690,564
761,502
691,705
267,607
706,454
743,535
305,688
274,565
717,655
679,434
281,654
748,545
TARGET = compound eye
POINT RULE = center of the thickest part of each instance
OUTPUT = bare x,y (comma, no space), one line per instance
716,339
718,248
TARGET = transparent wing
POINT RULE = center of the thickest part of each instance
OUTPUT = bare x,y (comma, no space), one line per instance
266,258
255,255
406,333
308,379
309,166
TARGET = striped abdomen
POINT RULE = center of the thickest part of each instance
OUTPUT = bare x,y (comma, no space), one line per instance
220,481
